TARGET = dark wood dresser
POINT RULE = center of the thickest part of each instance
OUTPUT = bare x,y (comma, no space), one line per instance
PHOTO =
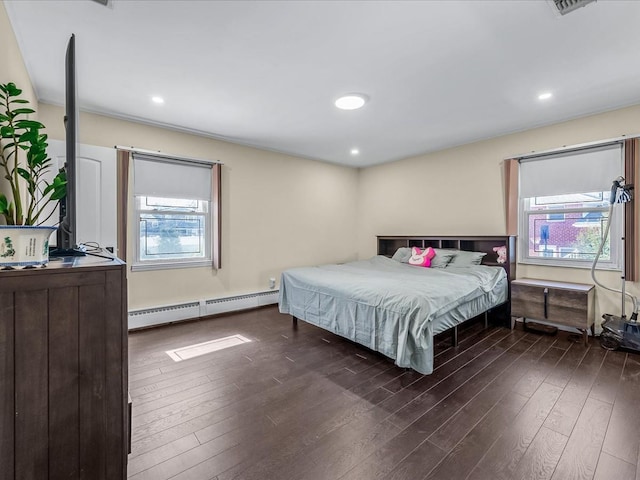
63,371
562,303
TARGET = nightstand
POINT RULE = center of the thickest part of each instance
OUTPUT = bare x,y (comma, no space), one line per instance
562,303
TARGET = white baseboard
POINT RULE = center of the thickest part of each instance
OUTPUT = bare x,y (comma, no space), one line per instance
148,317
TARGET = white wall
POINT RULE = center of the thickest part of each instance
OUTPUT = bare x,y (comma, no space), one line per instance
460,191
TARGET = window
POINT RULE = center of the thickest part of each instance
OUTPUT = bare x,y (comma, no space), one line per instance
564,207
175,212
172,228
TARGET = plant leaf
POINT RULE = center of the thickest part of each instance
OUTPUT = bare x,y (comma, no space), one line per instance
24,173
59,192
37,157
12,90
28,136
6,132
59,186
29,124
4,204
23,111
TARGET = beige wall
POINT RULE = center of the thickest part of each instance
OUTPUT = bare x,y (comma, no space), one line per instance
278,211
12,67
459,191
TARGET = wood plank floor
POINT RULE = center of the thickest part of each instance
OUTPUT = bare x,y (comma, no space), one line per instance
305,404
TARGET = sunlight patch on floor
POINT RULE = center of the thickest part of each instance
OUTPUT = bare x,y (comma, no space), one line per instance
191,351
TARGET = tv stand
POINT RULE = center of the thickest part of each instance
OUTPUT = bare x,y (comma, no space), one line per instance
55,252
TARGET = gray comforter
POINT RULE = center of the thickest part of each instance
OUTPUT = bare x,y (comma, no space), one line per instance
388,306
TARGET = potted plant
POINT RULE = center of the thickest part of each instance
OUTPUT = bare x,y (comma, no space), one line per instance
27,199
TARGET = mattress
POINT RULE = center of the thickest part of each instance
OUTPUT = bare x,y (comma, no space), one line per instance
391,307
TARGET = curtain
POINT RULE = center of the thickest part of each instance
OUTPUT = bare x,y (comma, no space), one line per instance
216,208
511,195
631,257
124,159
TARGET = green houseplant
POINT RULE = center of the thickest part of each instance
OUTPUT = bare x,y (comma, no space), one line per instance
27,199
18,134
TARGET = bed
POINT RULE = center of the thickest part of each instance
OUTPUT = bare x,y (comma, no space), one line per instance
395,308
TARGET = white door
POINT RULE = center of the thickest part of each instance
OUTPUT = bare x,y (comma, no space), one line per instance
96,218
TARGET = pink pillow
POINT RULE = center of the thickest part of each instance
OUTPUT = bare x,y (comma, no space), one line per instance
422,258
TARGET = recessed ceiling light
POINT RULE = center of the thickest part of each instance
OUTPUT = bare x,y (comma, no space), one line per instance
545,96
158,100
352,101
355,151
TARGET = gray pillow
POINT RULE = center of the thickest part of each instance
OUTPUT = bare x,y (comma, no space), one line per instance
443,258
466,259
403,254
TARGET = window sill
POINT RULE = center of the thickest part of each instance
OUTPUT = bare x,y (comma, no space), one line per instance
140,267
585,266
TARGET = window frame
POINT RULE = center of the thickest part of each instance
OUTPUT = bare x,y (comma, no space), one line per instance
560,212
167,263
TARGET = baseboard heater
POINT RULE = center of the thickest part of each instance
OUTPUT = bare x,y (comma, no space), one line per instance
185,311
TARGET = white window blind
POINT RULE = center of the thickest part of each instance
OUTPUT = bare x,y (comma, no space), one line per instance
168,178
580,171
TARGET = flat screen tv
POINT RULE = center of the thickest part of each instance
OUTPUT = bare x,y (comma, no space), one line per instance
66,234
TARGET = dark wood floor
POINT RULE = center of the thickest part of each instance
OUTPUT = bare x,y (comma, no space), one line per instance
306,404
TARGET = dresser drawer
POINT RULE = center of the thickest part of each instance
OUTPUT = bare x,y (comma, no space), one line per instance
563,303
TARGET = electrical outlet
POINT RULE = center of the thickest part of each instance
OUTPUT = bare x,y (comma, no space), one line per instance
272,283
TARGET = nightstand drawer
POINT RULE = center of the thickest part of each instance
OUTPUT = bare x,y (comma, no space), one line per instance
568,304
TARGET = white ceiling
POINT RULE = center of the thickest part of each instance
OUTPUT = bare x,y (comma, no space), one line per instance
266,73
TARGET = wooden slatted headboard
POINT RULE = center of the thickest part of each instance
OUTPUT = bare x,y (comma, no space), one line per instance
387,245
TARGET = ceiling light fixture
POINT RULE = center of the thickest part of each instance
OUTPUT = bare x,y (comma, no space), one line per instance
545,96
351,101
355,151
158,100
